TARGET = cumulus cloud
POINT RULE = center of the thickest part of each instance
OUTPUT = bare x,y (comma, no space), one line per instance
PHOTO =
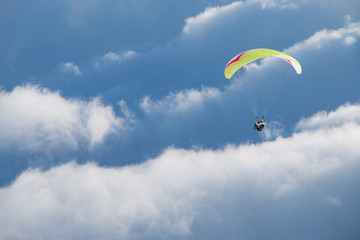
181,194
171,195
35,118
71,67
180,101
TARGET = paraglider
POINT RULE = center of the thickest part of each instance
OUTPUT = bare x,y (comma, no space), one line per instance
250,56
260,125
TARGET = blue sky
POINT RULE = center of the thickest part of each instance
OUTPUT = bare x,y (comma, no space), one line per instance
117,121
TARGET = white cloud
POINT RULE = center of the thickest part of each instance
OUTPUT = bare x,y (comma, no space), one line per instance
212,15
128,114
115,57
36,118
100,121
347,113
193,24
180,101
349,40
273,130
70,67
347,35
281,4
112,57
164,197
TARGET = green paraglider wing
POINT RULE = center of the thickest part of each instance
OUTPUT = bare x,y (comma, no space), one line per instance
246,57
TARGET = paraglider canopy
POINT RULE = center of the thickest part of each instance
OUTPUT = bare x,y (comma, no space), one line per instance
246,57
261,93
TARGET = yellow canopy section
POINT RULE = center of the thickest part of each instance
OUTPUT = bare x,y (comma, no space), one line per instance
246,57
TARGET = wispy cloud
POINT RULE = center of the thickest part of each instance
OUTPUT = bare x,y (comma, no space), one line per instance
281,4
273,130
70,67
112,57
180,101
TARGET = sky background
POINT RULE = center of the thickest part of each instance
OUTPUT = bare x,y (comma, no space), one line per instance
117,121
